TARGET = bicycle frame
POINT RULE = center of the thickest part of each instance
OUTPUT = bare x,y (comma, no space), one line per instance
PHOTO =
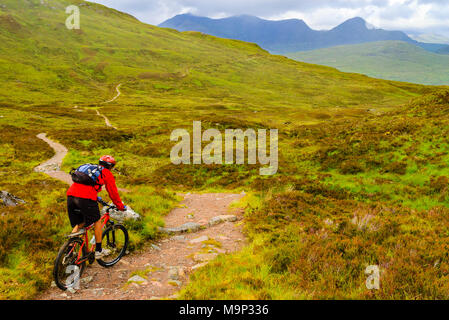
80,259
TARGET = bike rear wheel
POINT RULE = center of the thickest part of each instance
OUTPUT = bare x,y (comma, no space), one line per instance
66,271
115,238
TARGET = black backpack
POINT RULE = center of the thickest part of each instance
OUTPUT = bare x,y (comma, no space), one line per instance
87,174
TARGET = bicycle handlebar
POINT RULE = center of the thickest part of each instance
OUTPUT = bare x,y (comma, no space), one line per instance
105,204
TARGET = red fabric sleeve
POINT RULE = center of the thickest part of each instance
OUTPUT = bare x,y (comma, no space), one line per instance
111,188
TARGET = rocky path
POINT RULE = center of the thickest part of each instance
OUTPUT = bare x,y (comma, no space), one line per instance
160,270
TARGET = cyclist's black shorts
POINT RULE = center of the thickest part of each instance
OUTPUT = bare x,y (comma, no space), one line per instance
82,211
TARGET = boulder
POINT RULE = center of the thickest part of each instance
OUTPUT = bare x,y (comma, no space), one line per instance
186,227
9,200
222,218
121,216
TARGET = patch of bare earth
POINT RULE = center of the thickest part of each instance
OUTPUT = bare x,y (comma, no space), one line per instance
167,263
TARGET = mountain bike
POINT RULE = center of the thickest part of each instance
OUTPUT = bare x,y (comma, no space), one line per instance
73,256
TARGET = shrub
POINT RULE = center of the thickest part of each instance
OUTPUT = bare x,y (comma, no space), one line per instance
396,167
351,167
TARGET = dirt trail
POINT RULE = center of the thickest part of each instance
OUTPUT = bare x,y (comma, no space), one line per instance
118,94
106,120
165,266
52,167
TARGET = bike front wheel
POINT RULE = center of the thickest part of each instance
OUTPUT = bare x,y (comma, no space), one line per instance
66,270
115,239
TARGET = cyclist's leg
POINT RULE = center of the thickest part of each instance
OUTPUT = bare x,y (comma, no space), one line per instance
75,217
78,227
91,214
98,235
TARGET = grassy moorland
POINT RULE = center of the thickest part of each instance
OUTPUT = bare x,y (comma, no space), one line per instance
371,191
393,60
361,175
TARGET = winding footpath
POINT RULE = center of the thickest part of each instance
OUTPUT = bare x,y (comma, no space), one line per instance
106,120
118,94
52,167
201,228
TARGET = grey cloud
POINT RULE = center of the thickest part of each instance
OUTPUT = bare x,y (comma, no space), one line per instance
324,13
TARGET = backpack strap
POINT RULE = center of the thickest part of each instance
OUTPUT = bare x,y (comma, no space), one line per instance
97,186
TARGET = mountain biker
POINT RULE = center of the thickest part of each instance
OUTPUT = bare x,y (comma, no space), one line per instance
82,205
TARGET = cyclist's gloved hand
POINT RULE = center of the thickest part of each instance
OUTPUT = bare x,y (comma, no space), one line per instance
99,199
121,208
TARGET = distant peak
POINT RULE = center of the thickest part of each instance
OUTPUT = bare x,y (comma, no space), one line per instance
355,23
246,16
187,14
356,20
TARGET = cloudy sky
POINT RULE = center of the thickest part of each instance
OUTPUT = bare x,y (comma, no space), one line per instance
427,16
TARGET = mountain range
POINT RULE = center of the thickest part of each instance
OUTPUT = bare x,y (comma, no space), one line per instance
291,35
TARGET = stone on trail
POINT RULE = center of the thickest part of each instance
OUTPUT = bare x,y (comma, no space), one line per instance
121,216
222,218
186,227
155,247
9,200
179,238
98,292
199,265
175,283
86,280
203,257
173,273
137,279
199,239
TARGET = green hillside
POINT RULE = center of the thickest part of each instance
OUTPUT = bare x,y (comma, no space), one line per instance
349,146
393,60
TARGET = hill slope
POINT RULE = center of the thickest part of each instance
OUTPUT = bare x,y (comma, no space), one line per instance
285,35
43,62
392,60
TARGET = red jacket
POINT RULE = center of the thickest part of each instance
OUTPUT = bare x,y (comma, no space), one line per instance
88,192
